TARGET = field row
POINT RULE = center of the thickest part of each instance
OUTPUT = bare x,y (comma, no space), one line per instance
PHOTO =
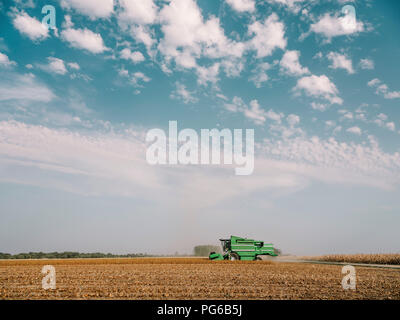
111,261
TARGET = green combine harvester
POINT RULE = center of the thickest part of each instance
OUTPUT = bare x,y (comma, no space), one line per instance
237,248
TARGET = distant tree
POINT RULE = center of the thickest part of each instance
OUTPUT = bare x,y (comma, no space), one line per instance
5,255
68,255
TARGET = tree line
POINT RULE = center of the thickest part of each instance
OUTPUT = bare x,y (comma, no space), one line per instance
68,255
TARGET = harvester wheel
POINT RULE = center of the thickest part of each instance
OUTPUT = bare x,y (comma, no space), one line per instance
234,256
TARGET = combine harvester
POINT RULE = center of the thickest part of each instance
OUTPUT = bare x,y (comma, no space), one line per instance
237,248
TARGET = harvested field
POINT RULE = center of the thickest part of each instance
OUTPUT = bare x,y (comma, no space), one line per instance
361,258
191,278
94,261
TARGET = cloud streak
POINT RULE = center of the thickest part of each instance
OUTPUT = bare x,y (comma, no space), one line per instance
14,87
114,164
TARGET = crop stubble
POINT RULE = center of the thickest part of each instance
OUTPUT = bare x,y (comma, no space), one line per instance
190,278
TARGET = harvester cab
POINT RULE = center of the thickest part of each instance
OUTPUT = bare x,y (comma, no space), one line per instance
237,248
225,244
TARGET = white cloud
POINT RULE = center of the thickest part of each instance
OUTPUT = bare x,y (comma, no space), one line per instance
236,105
381,121
374,82
23,88
337,130
292,5
330,123
290,64
114,163
268,36
74,65
354,130
55,65
383,89
209,74
320,87
67,24
361,116
293,119
232,67
392,95
123,72
382,116
188,37
92,8
84,39
143,34
135,56
254,113
138,78
348,116
5,61
260,74
319,106
336,161
137,12
281,131
333,26
30,27
242,5
73,162
318,55
340,61
221,96
272,115
181,93
367,64
391,126
24,3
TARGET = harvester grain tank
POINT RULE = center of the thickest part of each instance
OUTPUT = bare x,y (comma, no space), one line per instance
237,248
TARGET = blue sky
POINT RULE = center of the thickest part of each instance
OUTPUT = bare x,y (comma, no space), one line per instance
76,103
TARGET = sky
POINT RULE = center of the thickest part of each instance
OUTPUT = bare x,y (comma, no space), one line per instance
77,100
